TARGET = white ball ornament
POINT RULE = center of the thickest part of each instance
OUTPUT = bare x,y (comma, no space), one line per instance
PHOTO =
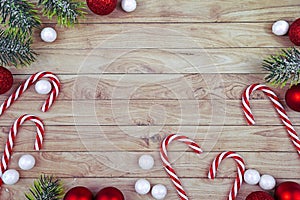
142,186
26,162
159,192
10,177
251,176
128,5
280,27
267,182
48,34
146,162
43,87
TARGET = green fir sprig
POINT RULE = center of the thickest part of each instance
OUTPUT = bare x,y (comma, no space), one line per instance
283,68
67,11
46,188
15,50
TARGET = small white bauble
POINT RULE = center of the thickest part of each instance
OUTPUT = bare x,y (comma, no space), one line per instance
142,186
10,177
251,176
280,27
43,87
159,191
26,162
267,182
128,5
48,34
146,162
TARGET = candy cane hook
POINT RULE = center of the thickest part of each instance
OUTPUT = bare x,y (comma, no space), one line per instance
167,165
277,105
240,171
12,136
30,81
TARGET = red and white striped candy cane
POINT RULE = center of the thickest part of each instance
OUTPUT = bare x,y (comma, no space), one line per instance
12,136
30,81
240,171
167,165
277,105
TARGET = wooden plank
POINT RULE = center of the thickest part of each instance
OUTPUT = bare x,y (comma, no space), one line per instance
151,86
124,164
194,11
161,36
149,61
148,138
217,189
148,112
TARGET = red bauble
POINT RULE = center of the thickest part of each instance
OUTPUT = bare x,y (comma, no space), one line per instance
102,7
6,80
292,97
109,193
259,195
287,191
79,193
294,32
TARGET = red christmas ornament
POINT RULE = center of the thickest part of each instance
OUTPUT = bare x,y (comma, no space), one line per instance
109,193
6,80
79,193
292,97
102,7
287,191
259,195
294,32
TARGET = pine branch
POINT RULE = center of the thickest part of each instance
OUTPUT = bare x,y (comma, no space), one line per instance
67,11
15,51
283,68
46,188
19,16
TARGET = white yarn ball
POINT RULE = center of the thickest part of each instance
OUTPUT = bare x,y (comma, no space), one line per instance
128,5
146,162
267,182
159,192
142,186
26,162
280,27
251,176
43,87
48,34
10,177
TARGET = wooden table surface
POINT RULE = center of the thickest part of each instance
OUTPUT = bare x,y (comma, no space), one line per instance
129,79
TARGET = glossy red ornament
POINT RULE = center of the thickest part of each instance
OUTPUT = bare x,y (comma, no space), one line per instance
259,195
109,193
292,97
79,193
287,191
294,32
102,7
6,80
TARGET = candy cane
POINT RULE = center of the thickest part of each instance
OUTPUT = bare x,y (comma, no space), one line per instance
167,166
277,105
12,136
30,81
240,171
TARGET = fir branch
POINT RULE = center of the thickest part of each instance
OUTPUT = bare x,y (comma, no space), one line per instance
15,50
283,68
67,11
46,188
19,16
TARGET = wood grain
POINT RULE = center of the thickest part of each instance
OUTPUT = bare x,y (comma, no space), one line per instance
129,79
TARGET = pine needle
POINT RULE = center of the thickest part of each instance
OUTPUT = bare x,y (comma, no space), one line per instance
67,11
283,68
46,188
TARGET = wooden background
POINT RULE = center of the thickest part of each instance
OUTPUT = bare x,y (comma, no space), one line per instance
128,80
